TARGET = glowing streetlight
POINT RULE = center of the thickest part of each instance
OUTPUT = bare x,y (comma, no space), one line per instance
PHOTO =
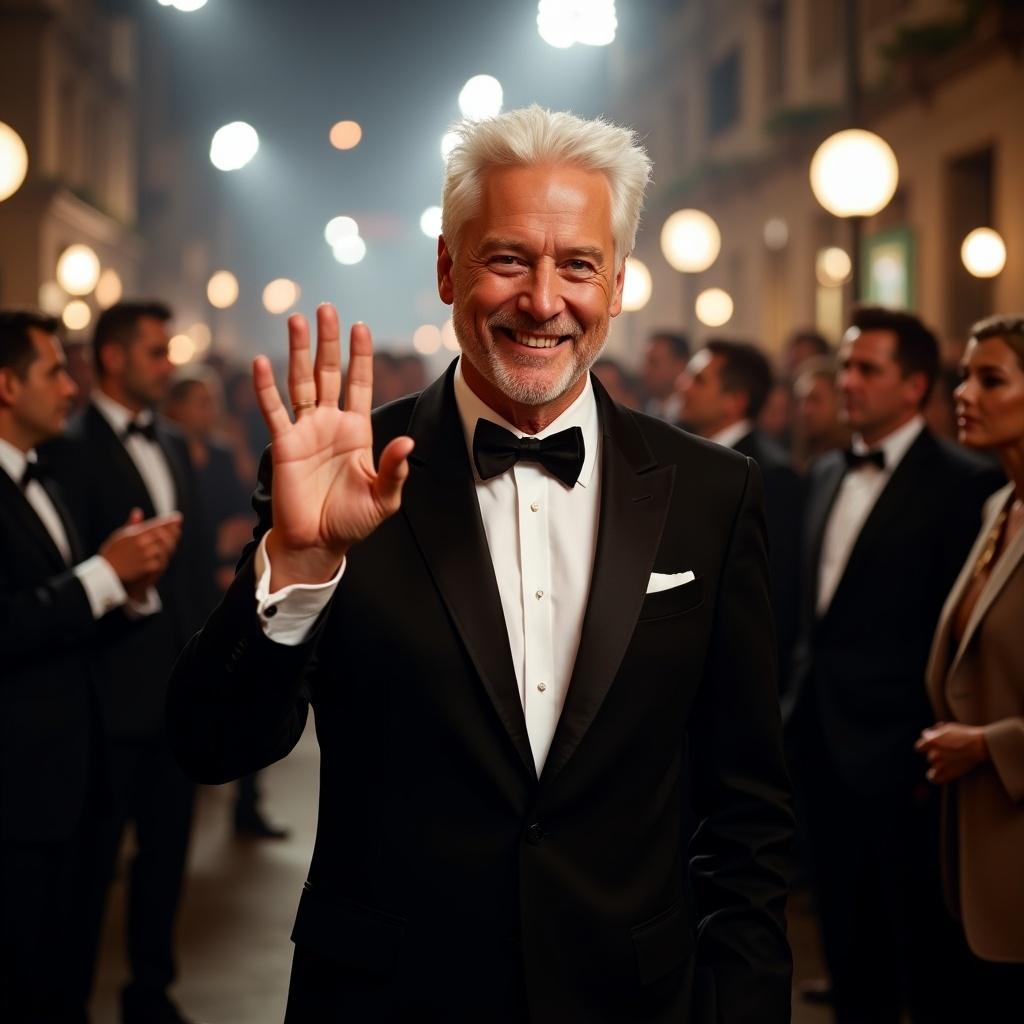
833,267
983,252
636,289
481,97
181,349
349,250
108,288
13,161
430,221
561,23
854,173
714,307
78,270
449,338
346,135
426,339
691,241
222,289
233,146
76,315
339,228
280,295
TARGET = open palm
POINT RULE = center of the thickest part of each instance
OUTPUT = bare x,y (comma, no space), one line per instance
327,494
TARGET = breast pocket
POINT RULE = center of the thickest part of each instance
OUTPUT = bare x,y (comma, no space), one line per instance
674,601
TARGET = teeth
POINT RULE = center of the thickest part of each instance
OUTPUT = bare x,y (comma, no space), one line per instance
535,342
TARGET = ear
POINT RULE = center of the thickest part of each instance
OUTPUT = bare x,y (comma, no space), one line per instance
445,288
620,279
915,385
10,386
112,358
736,404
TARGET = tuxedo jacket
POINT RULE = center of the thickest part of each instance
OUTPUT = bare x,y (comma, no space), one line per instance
47,700
980,681
859,668
445,873
783,502
102,485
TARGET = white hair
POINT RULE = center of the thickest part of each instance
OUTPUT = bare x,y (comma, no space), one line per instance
534,136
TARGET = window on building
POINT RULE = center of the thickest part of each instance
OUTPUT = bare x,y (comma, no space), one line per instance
774,27
724,85
969,187
825,19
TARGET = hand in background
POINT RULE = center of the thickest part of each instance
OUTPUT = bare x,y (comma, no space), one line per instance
139,551
952,750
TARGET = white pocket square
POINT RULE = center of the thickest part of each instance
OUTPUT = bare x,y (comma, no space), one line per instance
667,580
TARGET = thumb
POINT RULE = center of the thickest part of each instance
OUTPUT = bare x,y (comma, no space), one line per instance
391,474
135,516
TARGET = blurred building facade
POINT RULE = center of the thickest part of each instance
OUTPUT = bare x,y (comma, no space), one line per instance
733,98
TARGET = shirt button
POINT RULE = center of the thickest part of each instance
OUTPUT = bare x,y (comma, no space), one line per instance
535,834
271,611
539,594
542,687
535,506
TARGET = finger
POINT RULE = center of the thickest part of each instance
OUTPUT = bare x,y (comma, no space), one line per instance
359,383
327,369
391,474
931,775
135,516
275,415
301,386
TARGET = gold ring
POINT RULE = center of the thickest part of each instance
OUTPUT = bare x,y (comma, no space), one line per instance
299,406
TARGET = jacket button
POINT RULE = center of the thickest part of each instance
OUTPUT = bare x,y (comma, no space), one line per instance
535,834
271,611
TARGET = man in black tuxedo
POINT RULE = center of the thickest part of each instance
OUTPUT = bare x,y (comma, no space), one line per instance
888,525
723,392
56,608
114,457
519,674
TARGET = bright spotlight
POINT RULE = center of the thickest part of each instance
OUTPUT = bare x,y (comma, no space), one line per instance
449,338
188,6
636,289
349,250
339,228
854,173
78,270
426,339
481,97
222,289
233,146
448,142
13,161
983,252
346,135
430,221
714,307
108,288
76,315
280,295
561,23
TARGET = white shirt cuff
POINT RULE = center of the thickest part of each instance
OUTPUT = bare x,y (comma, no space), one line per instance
288,615
105,591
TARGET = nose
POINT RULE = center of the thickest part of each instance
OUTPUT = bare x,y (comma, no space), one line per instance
541,297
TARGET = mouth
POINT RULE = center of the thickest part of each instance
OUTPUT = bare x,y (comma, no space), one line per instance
533,342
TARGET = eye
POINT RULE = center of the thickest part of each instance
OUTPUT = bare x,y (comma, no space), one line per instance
579,266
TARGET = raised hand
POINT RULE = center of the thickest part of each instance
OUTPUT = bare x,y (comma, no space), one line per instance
327,495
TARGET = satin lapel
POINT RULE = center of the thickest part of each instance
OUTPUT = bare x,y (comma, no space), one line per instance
439,501
635,496
71,531
103,435
822,498
1001,572
13,499
174,463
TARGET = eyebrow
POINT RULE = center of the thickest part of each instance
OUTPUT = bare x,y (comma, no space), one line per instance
591,252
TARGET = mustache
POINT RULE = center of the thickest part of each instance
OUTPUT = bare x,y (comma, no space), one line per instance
563,326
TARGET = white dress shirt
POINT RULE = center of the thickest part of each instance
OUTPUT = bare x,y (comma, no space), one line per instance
147,455
102,587
731,435
541,536
857,495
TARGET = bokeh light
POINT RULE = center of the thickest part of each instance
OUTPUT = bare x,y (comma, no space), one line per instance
52,298
426,339
481,97
108,288
983,252
691,241
854,173
280,295
77,315
233,146
13,161
449,338
201,336
448,142
339,228
430,222
714,307
776,234
222,289
188,6
832,266
637,286
561,23
181,349
350,250
78,269
346,135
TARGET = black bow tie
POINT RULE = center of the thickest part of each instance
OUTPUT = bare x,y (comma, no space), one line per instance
496,449
34,471
854,460
146,430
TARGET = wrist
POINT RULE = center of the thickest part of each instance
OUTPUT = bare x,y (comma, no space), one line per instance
310,565
981,745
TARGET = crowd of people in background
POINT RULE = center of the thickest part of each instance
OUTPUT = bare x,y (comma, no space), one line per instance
873,513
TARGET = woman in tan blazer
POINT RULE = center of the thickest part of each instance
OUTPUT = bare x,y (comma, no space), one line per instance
975,673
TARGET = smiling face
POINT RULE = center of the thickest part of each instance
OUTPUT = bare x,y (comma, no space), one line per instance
534,284
990,400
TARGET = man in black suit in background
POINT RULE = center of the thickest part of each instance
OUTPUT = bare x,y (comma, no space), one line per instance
56,608
114,457
723,391
518,676
888,525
